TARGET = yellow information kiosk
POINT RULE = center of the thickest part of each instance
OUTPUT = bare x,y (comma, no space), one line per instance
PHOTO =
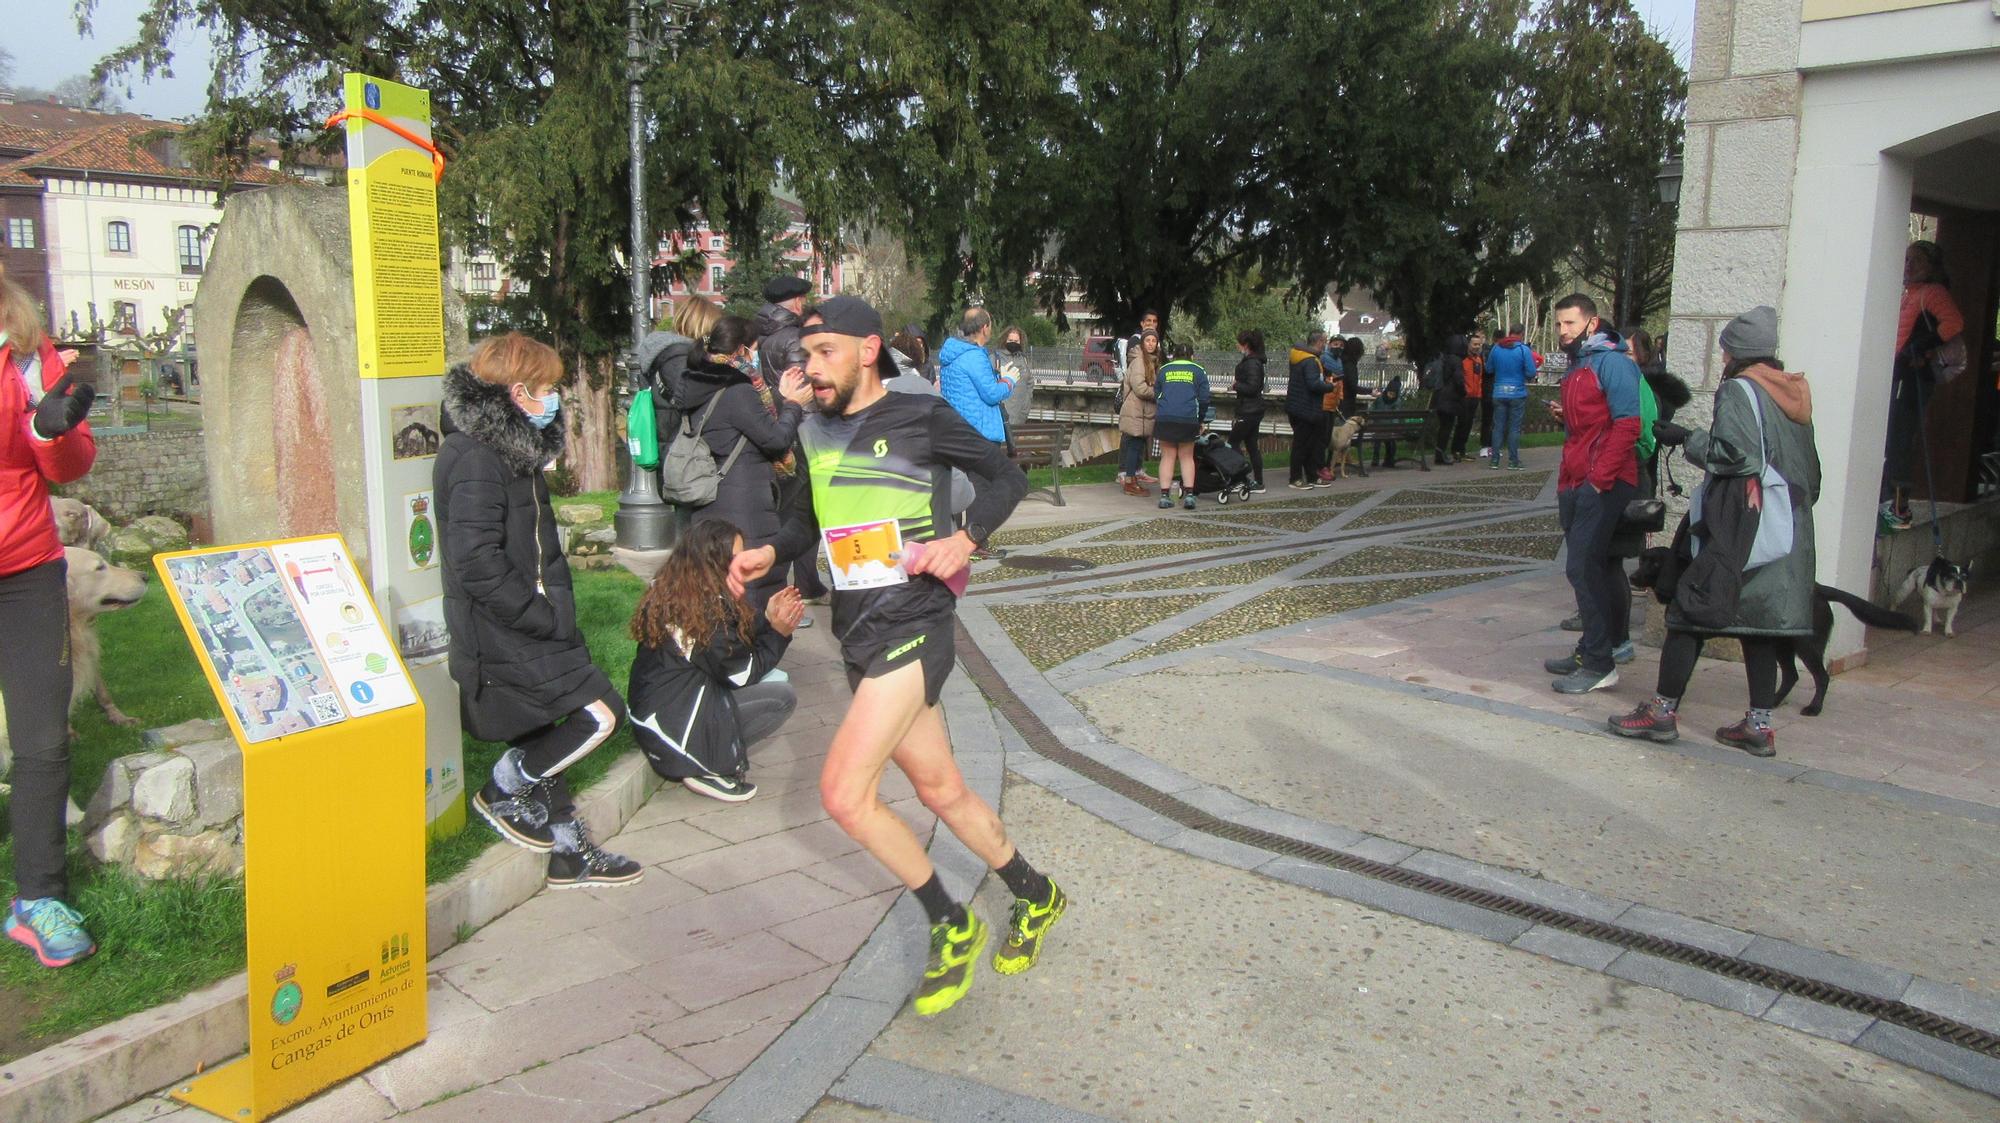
332,733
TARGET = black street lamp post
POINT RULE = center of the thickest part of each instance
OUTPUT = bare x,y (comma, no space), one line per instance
645,522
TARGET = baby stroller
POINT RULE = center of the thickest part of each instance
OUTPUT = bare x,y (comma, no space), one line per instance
1221,470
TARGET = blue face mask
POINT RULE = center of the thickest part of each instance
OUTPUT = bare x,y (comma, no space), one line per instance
551,404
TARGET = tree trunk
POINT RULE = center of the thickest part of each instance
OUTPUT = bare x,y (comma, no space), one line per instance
593,426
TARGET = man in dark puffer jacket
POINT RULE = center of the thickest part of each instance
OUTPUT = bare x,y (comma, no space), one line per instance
523,672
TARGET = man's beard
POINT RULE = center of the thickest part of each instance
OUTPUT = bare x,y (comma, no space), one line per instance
836,406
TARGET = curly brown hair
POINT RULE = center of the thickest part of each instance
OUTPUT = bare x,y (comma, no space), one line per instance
690,593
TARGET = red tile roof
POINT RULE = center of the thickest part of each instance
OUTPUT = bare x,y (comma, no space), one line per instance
54,118
130,147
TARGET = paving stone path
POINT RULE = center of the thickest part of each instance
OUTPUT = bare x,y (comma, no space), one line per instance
1243,658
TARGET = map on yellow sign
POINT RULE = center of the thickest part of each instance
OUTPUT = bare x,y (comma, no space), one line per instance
290,635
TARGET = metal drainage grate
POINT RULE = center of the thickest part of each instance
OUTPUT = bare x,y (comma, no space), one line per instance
1044,742
1045,563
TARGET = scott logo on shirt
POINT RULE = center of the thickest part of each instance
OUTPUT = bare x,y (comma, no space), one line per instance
881,449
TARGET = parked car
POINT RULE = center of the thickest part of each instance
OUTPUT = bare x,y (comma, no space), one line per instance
1100,357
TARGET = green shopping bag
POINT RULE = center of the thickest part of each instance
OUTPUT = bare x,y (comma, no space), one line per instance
642,431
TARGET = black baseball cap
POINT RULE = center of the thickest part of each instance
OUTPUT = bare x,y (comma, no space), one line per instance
851,316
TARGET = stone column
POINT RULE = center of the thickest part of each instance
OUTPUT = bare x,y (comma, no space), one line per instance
1741,150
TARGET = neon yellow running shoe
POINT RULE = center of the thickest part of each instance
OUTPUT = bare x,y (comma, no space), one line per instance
954,960
1026,926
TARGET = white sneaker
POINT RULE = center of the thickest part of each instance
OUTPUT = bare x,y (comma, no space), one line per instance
728,789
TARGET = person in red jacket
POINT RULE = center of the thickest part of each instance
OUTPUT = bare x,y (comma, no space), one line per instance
1599,476
44,439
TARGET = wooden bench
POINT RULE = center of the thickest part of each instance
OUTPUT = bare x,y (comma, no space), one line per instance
1407,428
1041,444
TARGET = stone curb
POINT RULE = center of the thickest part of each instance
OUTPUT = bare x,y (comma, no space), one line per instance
104,1068
791,1076
1074,731
1958,1065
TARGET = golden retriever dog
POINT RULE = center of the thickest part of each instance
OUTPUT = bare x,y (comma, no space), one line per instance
95,587
1341,443
79,524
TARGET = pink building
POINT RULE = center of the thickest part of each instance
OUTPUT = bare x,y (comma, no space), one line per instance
824,272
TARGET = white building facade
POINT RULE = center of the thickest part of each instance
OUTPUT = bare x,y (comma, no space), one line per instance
1816,128
127,253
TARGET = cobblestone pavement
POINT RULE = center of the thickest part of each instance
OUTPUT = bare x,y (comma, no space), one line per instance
1356,668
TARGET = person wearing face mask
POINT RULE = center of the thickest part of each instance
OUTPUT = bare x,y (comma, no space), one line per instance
524,674
1013,361
746,439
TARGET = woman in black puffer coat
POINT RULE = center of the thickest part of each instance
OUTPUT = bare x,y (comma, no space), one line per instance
1249,386
523,672
740,426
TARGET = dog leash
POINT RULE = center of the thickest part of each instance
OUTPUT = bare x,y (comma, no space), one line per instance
1930,485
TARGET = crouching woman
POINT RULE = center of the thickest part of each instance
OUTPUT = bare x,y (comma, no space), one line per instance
704,684
524,675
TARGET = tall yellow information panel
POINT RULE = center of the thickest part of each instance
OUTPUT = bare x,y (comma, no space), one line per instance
332,733
392,213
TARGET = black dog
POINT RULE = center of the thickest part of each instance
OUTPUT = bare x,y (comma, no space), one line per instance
1811,649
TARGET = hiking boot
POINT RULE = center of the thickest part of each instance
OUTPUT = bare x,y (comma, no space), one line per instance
1134,487
1568,664
1573,624
578,863
51,929
728,789
1648,721
954,961
1749,738
1583,680
521,818
1026,925
1624,653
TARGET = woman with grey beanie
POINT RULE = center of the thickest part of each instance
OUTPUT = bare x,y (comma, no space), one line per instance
1752,578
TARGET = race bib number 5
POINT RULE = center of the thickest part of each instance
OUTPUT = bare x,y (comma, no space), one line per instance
866,555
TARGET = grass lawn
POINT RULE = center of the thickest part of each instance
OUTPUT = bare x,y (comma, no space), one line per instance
159,941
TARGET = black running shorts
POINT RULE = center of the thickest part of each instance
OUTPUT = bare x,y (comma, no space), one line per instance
933,648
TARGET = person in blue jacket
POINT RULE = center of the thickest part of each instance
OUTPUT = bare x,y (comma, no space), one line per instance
1510,368
969,380
1181,410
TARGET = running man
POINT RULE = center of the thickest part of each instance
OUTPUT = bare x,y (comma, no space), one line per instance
880,498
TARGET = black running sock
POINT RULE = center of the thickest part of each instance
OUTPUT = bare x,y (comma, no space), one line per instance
1023,881
938,903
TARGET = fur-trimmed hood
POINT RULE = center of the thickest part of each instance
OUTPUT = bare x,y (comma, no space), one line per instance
485,413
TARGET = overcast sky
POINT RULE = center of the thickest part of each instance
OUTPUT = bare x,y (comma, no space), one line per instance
46,48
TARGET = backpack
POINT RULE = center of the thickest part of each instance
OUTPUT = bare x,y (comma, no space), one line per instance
1433,374
688,475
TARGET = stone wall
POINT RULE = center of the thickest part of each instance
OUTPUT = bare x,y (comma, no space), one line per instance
1740,156
157,473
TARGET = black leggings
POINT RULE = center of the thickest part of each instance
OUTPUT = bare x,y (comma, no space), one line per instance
1760,665
550,750
1244,439
35,678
